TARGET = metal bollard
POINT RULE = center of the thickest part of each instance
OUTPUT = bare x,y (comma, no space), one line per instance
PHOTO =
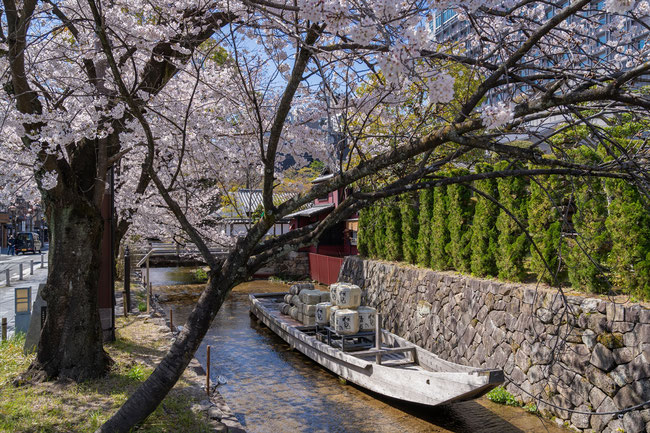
4,329
127,282
31,267
8,277
20,271
42,258
207,372
378,339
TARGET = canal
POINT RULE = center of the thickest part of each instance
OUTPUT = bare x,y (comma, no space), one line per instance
272,388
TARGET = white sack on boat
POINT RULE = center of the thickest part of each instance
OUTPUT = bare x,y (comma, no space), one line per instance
346,322
367,317
323,313
348,296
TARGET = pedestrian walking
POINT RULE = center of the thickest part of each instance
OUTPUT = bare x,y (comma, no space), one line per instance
12,246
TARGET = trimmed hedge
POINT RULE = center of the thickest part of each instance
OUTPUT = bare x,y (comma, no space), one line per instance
545,227
628,224
587,257
512,242
439,230
424,227
393,232
484,232
459,220
453,228
409,207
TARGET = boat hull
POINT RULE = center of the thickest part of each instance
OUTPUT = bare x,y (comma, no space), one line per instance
411,383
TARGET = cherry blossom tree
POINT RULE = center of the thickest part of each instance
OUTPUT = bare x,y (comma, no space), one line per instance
65,126
517,70
195,98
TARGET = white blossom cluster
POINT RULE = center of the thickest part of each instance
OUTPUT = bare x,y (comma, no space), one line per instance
440,88
496,116
212,120
363,33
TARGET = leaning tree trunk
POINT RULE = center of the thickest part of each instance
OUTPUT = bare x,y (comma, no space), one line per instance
70,345
149,395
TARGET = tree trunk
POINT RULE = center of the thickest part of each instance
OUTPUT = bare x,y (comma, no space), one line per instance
71,340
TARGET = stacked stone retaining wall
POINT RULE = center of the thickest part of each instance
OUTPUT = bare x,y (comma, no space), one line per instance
574,352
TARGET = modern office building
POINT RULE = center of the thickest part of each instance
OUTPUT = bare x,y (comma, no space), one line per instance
450,27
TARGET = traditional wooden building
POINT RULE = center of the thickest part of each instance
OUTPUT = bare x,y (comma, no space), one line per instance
338,241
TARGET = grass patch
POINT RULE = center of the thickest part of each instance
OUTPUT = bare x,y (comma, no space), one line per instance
83,407
501,396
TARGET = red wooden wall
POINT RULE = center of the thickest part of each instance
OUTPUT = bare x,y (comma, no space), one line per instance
324,269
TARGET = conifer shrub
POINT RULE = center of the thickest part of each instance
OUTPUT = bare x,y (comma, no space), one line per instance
363,232
628,224
587,255
409,208
424,227
461,212
439,231
379,219
512,242
544,226
393,224
484,235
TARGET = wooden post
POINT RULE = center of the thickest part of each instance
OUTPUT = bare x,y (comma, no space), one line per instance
20,271
31,267
148,287
148,298
171,320
207,372
378,338
147,277
4,329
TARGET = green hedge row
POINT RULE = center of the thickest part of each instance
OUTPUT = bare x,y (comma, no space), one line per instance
590,232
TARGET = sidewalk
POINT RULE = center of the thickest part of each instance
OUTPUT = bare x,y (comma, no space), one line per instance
7,293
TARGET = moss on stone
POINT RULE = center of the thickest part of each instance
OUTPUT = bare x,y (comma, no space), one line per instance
611,340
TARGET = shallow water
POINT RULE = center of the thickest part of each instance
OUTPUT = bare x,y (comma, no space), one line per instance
272,388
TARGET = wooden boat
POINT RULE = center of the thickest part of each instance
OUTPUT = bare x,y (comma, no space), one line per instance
394,368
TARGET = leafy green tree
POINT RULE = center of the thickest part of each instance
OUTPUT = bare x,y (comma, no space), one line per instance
512,243
588,251
629,226
424,233
409,208
439,231
545,226
461,211
484,233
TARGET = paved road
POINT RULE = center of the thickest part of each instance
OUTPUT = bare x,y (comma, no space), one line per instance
12,263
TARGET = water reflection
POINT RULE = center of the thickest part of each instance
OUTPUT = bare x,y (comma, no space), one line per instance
272,388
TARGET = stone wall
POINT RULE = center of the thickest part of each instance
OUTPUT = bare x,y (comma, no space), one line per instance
585,354
294,265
